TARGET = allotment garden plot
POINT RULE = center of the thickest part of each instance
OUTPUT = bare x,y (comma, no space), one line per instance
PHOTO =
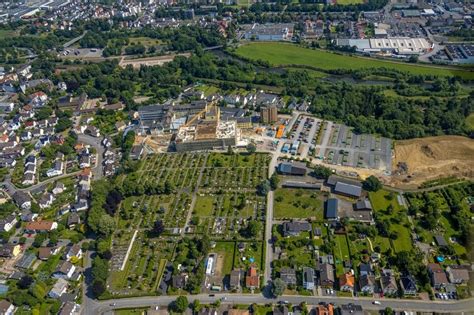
190,195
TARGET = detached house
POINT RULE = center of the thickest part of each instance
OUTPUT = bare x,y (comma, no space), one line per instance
437,275
22,200
367,283
408,285
308,278
41,226
457,274
326,275
38,99
46,201
346,282
8,223
65,270
59,288
252,280
74,251
56,170
388,283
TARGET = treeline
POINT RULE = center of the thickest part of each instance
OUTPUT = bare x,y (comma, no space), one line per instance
315,6
368,110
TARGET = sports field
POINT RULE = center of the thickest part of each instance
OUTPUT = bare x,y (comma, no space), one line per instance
289,54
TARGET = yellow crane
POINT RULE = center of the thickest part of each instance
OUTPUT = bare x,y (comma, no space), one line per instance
206,109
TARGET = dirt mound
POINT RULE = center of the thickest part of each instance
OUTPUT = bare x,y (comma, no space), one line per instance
419,160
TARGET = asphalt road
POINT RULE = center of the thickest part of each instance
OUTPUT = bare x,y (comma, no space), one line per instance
399,305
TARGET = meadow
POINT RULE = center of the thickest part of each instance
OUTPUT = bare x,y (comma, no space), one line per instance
281,54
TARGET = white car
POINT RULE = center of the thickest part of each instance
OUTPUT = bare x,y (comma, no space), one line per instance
376,302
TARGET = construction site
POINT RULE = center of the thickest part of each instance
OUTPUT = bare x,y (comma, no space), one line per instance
192,127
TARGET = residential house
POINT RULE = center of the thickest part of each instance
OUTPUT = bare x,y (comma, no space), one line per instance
252,280
179,281
388,284
28,216
437,275
324,309
45,252
46,201
8,223
56,170
308,278
30,169
288,275
280,310
59,288
22,200
84,161
72,220
295,228
70,308
235,279
92,131
457,274
326,275
367,283
6,308
346,282
26,136
65,270
38,99
10,250
74,251
365,269
59,188
41,226
408,285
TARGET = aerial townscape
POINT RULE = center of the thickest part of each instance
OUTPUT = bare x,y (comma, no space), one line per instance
236,157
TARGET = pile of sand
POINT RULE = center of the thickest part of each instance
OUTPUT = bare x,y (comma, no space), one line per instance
419,160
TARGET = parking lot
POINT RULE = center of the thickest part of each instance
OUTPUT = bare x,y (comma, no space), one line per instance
336,144
78,53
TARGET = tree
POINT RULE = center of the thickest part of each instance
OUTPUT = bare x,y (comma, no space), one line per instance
321,172
229,150
25,282
196,306
372,183
180,304
278,287
98,287
158,228
263,188
252,230
251,148
274,181
106,225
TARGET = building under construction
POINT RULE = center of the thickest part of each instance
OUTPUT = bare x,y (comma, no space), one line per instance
206,131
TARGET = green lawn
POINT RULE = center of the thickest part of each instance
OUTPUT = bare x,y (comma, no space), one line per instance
470,121
289,54
382,199
403,242
341,252
226,249
204,206
298,203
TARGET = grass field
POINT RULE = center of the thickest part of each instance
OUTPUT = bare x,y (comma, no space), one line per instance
382,199
341,252
204,206
298,203
288,54
226,249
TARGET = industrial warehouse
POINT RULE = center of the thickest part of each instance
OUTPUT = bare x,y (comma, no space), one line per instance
397,45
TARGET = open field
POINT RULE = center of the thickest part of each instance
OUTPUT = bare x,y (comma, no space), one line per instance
298,203
280,54
433,157
151,61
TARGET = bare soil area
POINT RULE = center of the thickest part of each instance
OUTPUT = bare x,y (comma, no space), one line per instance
423,159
